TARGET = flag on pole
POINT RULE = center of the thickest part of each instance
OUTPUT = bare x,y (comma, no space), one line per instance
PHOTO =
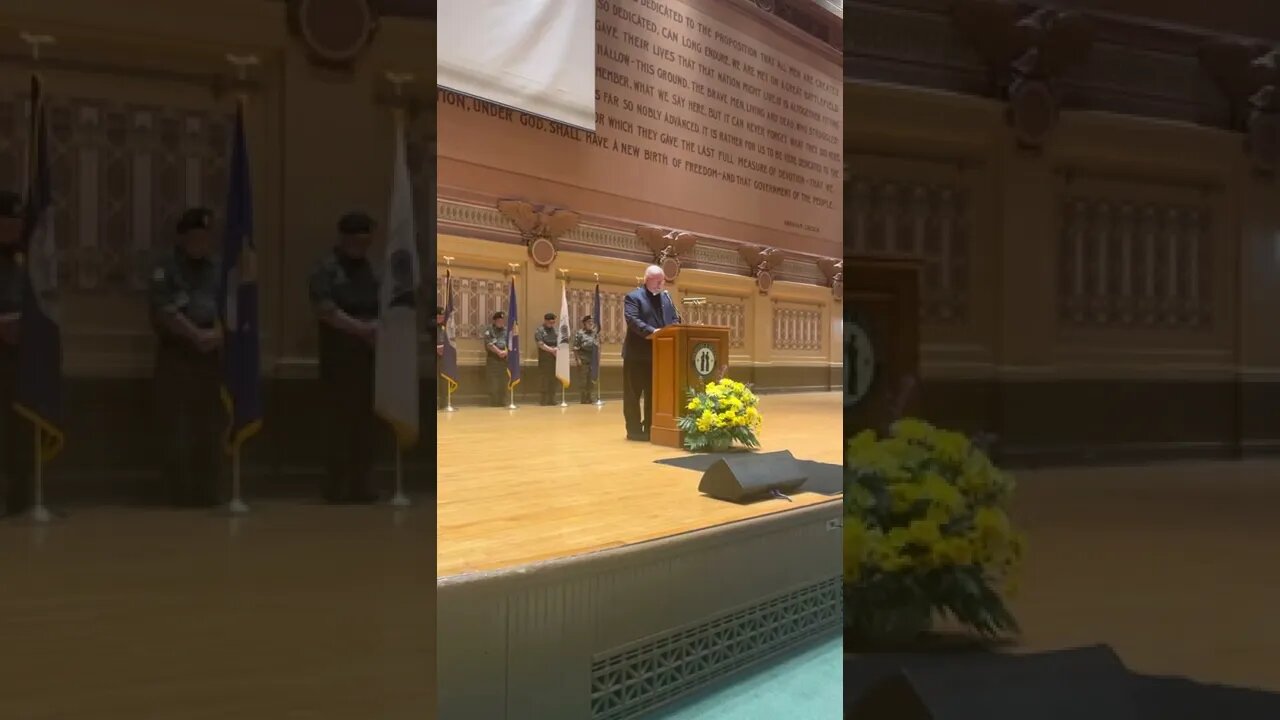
562,350
241,379
39,391
450,369
396,353
595,314
513,341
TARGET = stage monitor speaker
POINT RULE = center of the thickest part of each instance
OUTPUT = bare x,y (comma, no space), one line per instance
1087,683
751,476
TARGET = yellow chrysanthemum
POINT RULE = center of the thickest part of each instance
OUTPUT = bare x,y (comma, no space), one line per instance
694,404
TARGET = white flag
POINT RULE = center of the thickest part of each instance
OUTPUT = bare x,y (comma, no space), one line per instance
563,350
395,397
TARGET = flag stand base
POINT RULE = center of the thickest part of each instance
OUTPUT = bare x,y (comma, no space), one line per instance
40,515
450,408
237,507
400,500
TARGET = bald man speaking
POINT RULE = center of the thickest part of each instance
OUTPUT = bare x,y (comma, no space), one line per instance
646,309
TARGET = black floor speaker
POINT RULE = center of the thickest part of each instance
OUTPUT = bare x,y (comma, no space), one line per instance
751,476
1079,684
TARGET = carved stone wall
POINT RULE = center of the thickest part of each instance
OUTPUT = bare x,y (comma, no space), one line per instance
731,312
797,328
1136,67
916,218
122,173
1128,263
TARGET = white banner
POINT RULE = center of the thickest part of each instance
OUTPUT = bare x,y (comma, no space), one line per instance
537,56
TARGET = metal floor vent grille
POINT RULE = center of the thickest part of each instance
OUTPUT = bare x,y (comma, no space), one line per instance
656,670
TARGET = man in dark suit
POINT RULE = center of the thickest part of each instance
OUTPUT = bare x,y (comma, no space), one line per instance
646,309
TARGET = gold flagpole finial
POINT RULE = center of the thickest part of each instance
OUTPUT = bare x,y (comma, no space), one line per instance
36,41
447,260
513,268
242,63
398,80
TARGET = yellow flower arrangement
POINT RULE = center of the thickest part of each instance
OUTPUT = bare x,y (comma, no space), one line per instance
926,532
722,413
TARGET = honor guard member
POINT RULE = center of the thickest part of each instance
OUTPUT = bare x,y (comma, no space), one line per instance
188,373
15,432
495,359
344,292
548,339
586,345
442,387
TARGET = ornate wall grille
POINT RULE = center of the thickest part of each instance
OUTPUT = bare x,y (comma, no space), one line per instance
730,314
613,328
924,220
797,328
475,300
651,672
122,173
1131,264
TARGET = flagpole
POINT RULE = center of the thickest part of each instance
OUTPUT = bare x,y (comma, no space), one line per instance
39,513
398,80
448,389
599,348
237,505
564,389
511,388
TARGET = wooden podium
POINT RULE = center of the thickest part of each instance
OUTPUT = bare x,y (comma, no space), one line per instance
684,357
881,342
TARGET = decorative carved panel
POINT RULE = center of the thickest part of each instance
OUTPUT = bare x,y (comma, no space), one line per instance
122,173
613,328
1134,264
475,300
924,220
797,328
728,312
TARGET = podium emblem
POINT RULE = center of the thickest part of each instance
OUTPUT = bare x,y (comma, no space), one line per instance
704,360
859,363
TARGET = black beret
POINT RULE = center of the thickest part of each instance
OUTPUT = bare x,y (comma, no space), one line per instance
549,316
439,310
499,314
356,223
10,204
586,319
195,219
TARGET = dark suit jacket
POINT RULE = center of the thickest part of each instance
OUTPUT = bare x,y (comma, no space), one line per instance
642,321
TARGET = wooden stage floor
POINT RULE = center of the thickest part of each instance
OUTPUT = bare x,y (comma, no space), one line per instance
298,611
539,483
1173,565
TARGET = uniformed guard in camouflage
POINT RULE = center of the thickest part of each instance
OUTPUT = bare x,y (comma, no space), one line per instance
495,359
15,432
547,338
344,293
586,345
191,420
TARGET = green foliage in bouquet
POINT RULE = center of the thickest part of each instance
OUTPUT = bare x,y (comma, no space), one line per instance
725,412
926,535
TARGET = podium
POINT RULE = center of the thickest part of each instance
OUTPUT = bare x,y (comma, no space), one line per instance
881,342
684,357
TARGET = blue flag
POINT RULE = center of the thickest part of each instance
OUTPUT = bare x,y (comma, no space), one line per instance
39,392
595,313
450,357
241,383
513,341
